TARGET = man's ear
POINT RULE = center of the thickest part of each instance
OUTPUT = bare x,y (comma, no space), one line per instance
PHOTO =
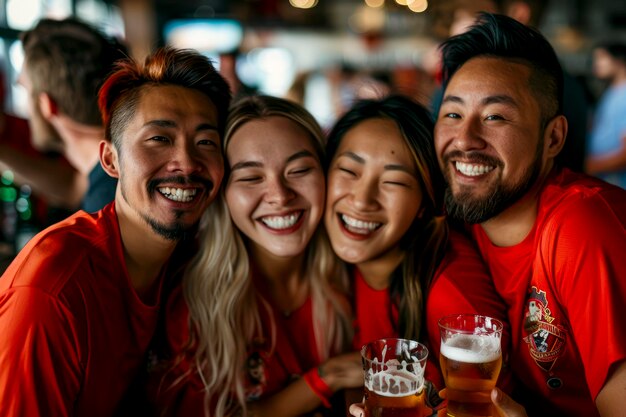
47,106
109,159
555,134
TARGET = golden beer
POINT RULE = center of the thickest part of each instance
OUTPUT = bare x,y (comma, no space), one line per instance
470,364
412,405
394,378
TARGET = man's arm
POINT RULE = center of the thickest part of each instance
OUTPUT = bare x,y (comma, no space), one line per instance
58,183
39,367
614,161
611,398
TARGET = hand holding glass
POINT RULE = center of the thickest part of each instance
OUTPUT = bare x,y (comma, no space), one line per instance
470,360
394,378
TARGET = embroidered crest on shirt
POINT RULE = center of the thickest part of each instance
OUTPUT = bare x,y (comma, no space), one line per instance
545,339
255,372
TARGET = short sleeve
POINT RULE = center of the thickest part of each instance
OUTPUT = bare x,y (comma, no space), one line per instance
583,247
40,371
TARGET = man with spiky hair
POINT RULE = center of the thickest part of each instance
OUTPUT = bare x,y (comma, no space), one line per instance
79,305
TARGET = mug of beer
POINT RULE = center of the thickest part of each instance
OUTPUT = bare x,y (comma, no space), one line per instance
394,378
470,361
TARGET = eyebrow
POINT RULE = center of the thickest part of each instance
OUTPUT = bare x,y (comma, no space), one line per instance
495,99
170,124
388,167
256,164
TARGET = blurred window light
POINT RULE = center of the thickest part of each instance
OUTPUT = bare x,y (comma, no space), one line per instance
205,35
418,6
22,14
272,70
105,17
19,95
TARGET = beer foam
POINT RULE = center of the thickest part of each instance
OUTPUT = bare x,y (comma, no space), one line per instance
398,383
470,348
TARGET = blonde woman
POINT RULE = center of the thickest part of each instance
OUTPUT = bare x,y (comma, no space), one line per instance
264,292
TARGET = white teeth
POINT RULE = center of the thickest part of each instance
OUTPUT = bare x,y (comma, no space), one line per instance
473,170
178,194
281,222
358,226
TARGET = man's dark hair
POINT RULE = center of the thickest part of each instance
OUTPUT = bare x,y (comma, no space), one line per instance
69,60
614,48
499,36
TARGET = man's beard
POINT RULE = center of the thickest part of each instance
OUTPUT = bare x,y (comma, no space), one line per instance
177,230
475,210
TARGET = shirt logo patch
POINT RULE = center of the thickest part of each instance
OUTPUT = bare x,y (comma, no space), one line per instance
546,340
255,373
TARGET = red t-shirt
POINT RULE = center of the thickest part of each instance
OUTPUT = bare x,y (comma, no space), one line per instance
461,284
565,288
73,331
178,391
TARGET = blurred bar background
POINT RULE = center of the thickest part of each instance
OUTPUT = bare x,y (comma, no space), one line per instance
319,52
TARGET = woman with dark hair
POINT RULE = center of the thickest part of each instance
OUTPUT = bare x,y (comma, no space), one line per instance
385,216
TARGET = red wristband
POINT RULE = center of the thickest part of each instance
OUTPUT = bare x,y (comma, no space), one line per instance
318,386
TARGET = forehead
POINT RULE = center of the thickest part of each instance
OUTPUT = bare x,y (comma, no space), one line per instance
178,101
270,137
377,139
491,76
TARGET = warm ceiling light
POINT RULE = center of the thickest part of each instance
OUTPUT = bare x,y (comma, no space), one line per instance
418,6
375,3
303,4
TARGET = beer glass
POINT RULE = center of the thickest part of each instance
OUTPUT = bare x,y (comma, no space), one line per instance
394,378
470,361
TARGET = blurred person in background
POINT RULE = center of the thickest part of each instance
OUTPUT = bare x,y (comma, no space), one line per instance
607,140
65,62
79,305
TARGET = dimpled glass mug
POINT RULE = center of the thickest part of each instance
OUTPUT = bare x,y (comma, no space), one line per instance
394,378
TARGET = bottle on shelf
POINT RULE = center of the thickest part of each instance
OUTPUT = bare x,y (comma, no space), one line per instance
26,225
8,212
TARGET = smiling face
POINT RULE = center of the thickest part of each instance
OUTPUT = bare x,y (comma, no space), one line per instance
489,138
373,193
275,192
169,163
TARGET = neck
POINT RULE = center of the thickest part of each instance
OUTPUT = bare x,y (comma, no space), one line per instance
81,142
377,272
511,227
620,77
145,252
284,278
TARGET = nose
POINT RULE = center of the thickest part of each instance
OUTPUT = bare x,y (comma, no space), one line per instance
469,135
364,194
278,191
186,159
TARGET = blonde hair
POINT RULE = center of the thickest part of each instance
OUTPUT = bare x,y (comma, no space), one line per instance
223,305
